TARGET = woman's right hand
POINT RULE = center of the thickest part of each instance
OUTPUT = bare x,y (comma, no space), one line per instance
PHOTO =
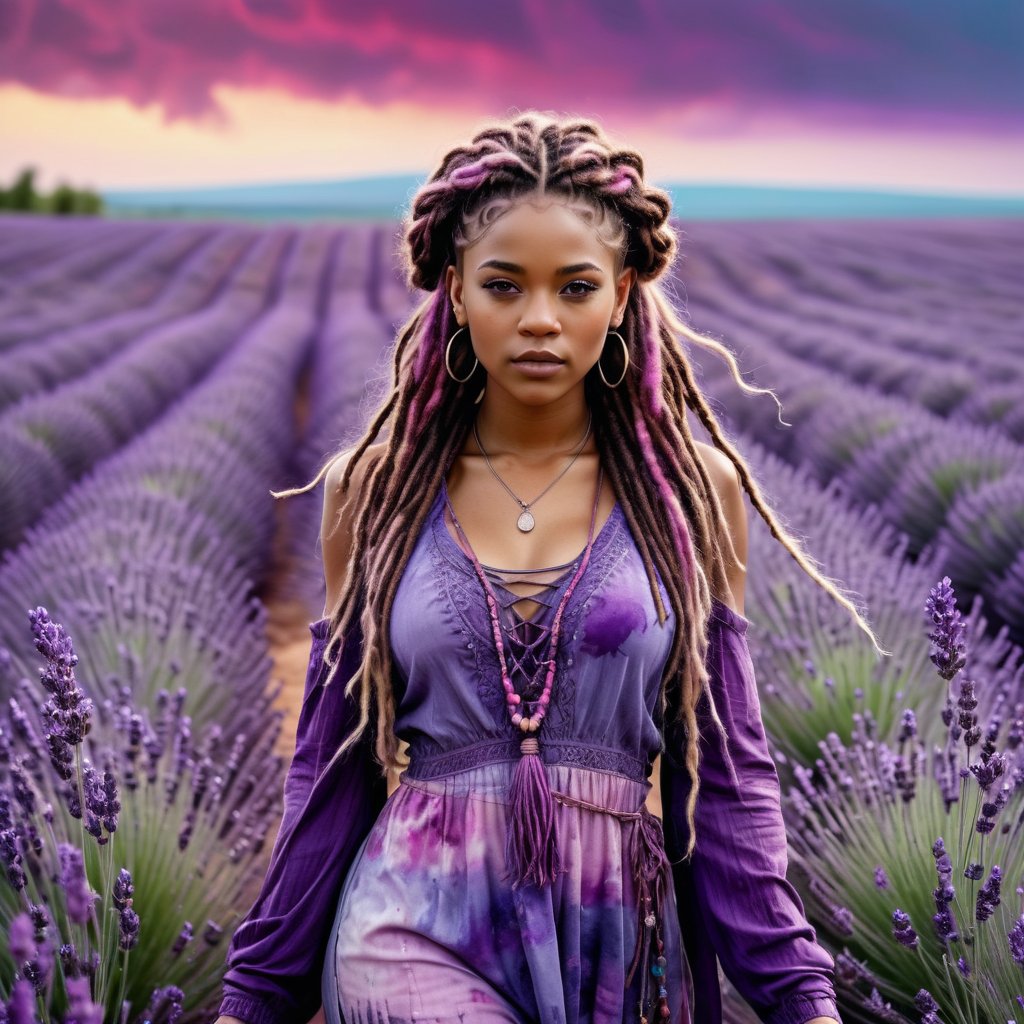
228,1020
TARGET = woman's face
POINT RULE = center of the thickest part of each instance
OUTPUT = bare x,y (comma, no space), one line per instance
539,279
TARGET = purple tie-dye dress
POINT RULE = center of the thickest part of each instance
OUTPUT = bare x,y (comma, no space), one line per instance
427,927
399,907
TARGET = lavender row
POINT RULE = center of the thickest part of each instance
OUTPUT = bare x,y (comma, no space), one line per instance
50,440
786,287
26,244
67,272
169,280
126,841
121,285
153,559
929,478
836,716
388,295
911,847
910,286
816,669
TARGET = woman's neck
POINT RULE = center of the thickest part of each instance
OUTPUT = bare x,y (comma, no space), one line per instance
508,427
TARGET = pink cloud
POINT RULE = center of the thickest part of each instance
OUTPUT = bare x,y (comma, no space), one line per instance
862,62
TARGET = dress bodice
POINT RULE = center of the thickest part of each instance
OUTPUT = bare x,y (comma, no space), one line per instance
451,706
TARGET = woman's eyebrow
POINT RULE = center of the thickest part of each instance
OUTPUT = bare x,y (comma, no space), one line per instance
514,268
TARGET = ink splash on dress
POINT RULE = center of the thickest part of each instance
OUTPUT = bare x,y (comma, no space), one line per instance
610,620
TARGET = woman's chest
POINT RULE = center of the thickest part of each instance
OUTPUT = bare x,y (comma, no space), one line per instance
610,652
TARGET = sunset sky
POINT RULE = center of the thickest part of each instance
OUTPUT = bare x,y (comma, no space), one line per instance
899,94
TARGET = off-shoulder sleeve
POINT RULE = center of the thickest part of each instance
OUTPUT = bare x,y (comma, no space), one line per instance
276,955
733,896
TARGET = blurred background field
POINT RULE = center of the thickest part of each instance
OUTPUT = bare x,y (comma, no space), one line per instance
199,287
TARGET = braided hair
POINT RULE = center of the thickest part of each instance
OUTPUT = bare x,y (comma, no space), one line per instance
640,427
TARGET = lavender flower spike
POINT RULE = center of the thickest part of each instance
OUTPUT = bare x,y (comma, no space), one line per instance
925,1002
81,1008
902,930
75,884
988,895
68,712
22,1006
124,890
1016,937
949,648
165,1000
129,929
21,938
184,937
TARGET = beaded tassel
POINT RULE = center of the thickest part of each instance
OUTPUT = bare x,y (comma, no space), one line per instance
649,865
531,848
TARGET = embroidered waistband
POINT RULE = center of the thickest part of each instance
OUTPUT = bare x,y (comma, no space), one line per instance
581,755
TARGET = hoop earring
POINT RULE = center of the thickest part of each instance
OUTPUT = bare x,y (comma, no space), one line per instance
625,353
447,365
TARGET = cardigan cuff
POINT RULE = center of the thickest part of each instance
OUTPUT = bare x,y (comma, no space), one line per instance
255,1010
799,1009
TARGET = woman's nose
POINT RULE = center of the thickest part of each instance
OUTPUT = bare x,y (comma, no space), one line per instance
539,317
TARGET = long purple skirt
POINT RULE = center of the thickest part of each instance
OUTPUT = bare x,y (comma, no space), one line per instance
428,929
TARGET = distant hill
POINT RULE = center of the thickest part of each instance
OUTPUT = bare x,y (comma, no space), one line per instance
386,198
351,198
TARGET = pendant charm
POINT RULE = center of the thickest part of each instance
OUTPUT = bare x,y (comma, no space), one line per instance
525,522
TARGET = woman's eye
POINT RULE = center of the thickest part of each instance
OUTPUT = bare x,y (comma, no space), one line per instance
491,285
587,287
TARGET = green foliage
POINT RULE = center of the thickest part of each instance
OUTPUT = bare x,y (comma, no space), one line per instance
173,822
64,200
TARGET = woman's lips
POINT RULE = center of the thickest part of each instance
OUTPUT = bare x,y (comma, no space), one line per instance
537,368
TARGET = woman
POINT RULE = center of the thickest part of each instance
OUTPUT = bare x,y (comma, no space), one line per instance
536,583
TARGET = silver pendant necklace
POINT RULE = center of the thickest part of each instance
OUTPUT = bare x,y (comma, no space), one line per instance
526,521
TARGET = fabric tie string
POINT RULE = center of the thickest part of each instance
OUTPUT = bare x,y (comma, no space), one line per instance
651,867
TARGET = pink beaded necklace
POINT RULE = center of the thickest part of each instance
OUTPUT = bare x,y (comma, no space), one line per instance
531,847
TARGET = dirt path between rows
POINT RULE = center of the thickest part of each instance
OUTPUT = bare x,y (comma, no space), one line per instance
288,620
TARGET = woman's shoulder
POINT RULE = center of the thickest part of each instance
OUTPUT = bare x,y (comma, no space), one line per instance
719,468
333,491
337,527
725,479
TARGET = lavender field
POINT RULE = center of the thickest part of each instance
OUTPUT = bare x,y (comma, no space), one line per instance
158,379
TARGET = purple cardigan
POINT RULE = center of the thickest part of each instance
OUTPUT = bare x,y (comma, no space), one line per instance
735,903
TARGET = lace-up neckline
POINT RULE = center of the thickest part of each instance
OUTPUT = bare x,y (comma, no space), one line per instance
525,617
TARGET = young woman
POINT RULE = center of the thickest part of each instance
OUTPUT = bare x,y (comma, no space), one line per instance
536,582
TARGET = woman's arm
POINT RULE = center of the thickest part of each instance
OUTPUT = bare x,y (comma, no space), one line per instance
734,899
276,956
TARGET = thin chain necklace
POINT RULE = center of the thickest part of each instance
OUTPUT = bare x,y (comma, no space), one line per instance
526,521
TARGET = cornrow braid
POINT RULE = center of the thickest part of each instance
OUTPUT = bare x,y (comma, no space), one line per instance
640,427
